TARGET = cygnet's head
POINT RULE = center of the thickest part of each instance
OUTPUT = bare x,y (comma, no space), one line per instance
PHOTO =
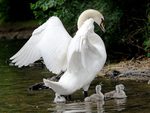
121,86
117,88
91,13
98,88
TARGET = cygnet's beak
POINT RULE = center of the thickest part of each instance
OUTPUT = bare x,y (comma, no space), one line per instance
125,89
102,27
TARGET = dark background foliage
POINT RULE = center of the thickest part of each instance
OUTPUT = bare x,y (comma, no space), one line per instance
15,10
127,22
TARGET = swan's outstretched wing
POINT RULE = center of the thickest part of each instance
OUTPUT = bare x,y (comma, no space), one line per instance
49,41
75,60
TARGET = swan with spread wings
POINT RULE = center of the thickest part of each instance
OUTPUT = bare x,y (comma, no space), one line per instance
81,57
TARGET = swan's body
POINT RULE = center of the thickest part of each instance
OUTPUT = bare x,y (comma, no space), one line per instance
84,61
95,97
117,93
109,94
82,57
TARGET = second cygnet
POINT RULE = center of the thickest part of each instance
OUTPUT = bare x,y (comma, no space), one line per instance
117,93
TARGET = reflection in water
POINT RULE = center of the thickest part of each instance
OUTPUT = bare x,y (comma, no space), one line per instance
120,101
87,107
120,104
100,108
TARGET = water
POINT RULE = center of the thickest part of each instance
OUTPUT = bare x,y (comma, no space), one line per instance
15,97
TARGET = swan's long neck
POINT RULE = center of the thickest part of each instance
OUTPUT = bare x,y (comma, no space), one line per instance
90,13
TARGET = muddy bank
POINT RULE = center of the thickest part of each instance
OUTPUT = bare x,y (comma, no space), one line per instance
22,34
134,69
19,30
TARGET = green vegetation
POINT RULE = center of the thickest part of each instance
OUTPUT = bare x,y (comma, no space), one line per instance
147,31
127,22
3,10
15,10
69,10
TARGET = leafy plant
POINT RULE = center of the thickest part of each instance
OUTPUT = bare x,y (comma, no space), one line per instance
3,10
147,32
69,10
16,10
124,22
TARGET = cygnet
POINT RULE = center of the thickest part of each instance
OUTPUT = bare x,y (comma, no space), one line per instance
117,93
95,97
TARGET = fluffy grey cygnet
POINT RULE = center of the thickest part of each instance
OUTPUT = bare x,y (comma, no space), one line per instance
95,97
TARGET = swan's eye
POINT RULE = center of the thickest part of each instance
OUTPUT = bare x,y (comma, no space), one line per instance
102,21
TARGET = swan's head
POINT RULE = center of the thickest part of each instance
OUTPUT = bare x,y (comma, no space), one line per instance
91,13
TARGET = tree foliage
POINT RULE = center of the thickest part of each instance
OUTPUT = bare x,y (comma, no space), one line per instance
69,10
3,10
15,10
127,24
147,31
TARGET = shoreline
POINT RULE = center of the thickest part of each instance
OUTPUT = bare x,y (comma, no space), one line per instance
134,69
17,30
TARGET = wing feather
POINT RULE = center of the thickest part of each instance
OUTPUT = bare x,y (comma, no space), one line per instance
55,48
75,56
86,50
49,41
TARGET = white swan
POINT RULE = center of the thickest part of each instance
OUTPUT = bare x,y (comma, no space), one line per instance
117,93
82,57
95,97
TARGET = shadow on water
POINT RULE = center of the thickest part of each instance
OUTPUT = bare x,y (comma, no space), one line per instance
15,98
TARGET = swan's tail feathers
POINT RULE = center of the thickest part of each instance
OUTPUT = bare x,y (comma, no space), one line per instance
56,86
47,82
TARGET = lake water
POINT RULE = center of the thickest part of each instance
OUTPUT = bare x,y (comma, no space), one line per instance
15,97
